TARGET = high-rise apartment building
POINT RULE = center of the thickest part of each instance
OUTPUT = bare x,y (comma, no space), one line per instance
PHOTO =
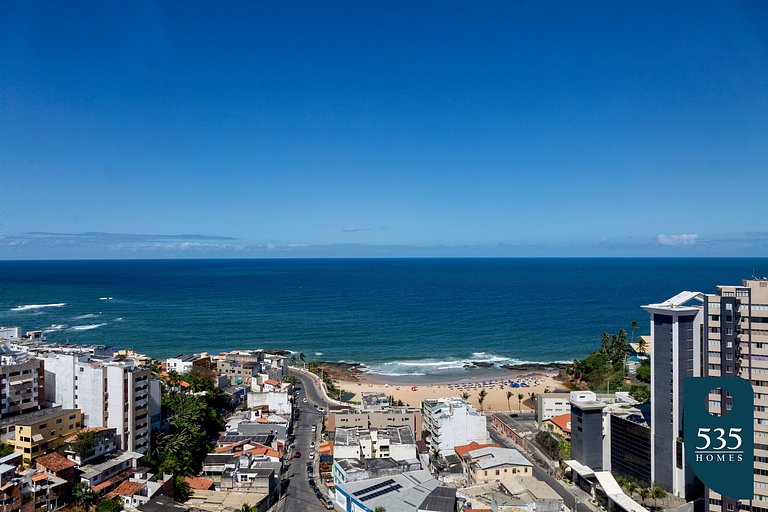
676,326
110,393
720,334
736,336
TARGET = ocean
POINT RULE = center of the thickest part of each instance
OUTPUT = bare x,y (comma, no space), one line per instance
397,316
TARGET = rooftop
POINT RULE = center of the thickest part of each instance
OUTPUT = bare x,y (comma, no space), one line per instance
396,493
487,458
55,462
462,450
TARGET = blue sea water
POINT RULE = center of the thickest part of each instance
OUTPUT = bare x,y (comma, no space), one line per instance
398,316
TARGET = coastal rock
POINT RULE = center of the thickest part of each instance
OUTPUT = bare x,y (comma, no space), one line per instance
478,364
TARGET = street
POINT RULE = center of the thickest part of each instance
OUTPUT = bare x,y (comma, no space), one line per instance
299,495
541,473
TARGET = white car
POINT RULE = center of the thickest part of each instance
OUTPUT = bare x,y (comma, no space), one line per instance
320,409
312,444
304,399
311,455
314,428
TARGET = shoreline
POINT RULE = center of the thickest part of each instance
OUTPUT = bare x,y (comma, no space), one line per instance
497,383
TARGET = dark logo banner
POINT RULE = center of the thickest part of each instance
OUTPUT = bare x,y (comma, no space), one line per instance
720,449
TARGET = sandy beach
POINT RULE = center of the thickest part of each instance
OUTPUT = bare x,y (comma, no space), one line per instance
496,385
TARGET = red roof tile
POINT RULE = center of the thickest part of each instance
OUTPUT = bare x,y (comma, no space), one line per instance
124,489
55,462
563,421
198,483
461,451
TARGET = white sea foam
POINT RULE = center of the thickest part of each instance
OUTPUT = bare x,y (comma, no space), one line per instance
119,319
55,327
89,315
31,307
407,367
87,327
318,353
105,298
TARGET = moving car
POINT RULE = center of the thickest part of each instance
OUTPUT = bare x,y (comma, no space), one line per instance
297,454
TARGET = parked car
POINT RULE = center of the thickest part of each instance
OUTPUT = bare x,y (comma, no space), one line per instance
311,455
312,444
297,454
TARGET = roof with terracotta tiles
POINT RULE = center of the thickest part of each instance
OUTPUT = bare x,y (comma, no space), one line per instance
124,489
112,481
55,462
563,421
198,483
461,451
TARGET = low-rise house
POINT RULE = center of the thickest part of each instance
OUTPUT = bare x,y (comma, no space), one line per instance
560,425
244,472
238,372
352,470
141,488
492,464
107,475
90,445
184,363
513,493
41,434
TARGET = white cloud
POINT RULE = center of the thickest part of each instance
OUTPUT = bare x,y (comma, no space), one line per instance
686,239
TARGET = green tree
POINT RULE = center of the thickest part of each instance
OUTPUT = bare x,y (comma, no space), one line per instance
303,357
481,398
642,345
520,397
181,490
635,327
84,442
643,371
509,395
200,379
379,509
465,395
632,487
5,449
247,508
644,493
82,494
113,505
657,493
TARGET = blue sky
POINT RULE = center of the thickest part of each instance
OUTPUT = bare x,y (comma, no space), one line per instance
254,129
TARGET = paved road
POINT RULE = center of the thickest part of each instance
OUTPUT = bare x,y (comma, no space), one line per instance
300,496
568,494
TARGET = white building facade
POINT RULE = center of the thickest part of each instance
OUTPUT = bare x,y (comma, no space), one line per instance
450,422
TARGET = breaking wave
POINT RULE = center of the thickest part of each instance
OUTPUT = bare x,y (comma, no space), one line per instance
32,307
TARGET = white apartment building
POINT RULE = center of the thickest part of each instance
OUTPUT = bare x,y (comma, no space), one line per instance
21,382
110,393
396,443
450,422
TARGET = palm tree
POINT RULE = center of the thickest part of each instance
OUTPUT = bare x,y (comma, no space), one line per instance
481,398
631,487
465,395
303,357
605,343
520,397
635,326
82,494
379,509
509,395
642,345
657,493
644,492
247,508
